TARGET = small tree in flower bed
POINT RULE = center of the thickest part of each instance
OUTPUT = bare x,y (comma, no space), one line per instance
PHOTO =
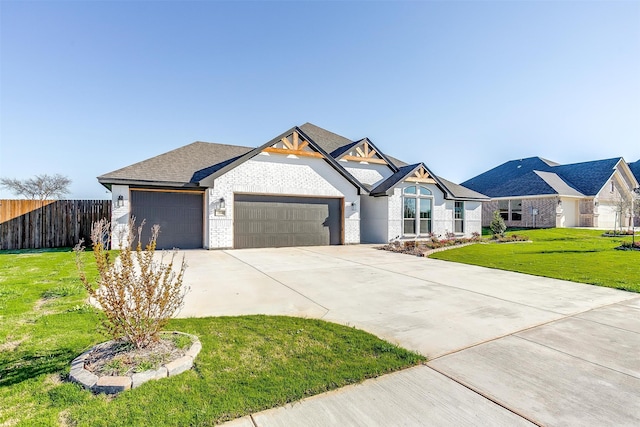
498,227
138,292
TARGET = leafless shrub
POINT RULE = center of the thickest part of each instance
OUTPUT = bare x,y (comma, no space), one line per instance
137,293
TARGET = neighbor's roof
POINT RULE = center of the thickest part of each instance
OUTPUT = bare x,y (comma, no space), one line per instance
180,167
522,178
558,185
588,177
635,168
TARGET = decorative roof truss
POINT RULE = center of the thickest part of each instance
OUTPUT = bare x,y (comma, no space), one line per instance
293,144
364,152
421,175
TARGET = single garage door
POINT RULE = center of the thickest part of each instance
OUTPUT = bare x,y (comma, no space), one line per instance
179,215
278,221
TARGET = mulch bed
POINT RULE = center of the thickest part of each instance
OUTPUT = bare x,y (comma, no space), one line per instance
122,358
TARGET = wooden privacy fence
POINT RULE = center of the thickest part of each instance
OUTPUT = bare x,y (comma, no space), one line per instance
49,224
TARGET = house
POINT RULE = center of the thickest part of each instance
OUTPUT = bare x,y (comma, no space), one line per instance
307,186
635,168
535,192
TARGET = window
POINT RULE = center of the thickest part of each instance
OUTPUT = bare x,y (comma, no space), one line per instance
503,207
417,205
510,209
458,217
409,215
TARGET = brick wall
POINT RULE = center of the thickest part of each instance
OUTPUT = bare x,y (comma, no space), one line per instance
545,218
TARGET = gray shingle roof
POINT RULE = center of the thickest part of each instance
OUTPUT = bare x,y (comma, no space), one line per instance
382,188
399,163
588,177
200,163
460,192
183,166
328,141
557,184
519,178
635,168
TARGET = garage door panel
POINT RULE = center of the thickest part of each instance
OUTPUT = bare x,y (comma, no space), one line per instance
179,215
279,221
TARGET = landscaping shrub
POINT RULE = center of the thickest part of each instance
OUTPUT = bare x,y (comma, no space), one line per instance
498,227
513,238
137,292
630,246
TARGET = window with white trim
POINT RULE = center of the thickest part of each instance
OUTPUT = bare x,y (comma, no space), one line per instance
458,217
417,207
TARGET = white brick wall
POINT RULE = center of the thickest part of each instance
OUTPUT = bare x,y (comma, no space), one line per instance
369,173
442,214
119,216
282,175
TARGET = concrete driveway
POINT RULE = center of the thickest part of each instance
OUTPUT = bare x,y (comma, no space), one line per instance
504,348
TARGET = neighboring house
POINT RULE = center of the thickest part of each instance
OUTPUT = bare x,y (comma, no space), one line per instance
635,168
307,186
536,192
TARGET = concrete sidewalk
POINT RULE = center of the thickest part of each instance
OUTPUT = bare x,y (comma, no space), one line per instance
501,344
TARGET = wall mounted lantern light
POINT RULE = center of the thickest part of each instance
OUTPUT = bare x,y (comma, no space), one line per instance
220,207
120,202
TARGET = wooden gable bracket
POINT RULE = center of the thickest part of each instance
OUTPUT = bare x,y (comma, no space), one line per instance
365,153
421,175
293,144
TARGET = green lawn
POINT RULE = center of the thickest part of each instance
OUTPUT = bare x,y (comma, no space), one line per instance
570,254
247,363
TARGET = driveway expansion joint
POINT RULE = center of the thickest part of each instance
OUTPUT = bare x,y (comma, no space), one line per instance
278,281
574,356
486,396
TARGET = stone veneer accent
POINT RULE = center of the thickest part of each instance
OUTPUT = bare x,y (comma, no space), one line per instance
116,384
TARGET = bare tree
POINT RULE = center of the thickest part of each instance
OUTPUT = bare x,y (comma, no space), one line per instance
622,207
40,187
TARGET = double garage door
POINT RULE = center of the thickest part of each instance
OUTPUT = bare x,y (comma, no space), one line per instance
278,221
179,215
259,221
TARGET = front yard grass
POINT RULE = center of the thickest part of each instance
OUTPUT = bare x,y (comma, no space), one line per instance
247,364
562,253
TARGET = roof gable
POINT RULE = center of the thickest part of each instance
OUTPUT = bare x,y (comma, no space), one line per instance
635,169
292,142
588,177
325,139
363,151
417,173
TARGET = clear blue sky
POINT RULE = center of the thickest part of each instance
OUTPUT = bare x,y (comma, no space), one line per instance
89,87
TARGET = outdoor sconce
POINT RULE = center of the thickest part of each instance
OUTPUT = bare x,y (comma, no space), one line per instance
559,203
120,202
354,206
220,207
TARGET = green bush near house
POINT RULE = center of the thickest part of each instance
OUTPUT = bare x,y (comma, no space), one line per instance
247,364
577,255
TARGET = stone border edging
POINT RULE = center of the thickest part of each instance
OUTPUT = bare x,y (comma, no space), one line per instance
116,384
444,248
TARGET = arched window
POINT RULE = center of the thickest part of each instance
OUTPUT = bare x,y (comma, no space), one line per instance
417,203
